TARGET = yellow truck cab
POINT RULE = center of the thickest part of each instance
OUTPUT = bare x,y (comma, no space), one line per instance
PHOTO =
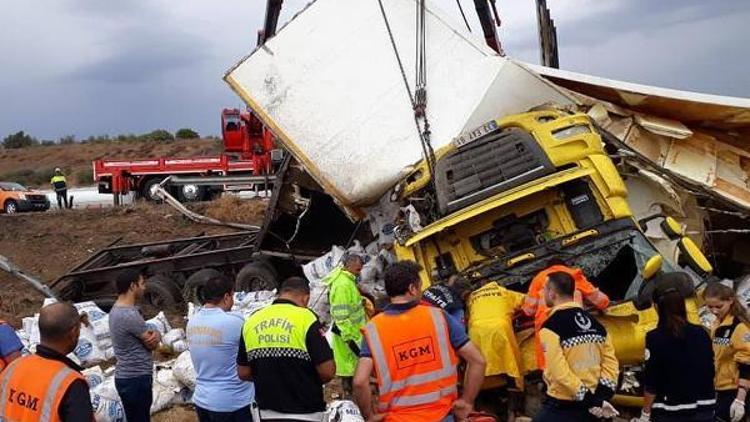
519,193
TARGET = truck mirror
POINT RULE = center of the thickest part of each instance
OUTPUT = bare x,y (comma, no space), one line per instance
651,267
691,255
671,228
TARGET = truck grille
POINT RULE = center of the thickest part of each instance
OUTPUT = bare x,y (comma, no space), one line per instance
488,166
36,198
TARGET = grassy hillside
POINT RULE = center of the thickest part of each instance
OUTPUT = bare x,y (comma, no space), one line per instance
34,166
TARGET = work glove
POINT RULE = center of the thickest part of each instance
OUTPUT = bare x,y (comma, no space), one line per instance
645,417
606,411
737,410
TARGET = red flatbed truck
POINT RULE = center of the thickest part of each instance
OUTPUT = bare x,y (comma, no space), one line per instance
248,150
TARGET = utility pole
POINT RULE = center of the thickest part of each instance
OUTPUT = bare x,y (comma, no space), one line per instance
547,36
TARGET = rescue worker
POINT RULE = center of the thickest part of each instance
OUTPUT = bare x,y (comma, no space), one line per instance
678,379
347,317
213,334
534,305
284,351
581,372
60,186
450,297
414,349
731,344
47,386
10,344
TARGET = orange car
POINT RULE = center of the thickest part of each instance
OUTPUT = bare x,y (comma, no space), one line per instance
15,198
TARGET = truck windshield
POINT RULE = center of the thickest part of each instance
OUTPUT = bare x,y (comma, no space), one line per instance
12,187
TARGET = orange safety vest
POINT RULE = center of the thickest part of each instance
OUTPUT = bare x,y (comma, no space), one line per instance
32,387
415,364
534,301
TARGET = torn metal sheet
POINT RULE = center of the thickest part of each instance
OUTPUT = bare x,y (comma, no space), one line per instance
691,108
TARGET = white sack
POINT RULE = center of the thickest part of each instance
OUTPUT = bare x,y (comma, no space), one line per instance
94,376
106,402
165,389
159,323
317,269
87,350
184,371
343,411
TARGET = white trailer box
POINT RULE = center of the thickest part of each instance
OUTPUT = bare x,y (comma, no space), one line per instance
329,86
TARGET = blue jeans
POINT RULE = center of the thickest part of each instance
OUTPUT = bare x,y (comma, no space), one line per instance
136,395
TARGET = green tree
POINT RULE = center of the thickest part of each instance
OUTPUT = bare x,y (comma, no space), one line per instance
158,135
186,133
68,140
19,140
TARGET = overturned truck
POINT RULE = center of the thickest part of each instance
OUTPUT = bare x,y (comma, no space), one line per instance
524,173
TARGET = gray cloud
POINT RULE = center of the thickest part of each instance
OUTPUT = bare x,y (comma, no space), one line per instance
94,67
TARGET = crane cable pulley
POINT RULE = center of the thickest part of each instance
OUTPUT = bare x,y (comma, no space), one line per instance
418,100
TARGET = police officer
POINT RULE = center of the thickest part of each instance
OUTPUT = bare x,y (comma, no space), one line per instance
581,367
48,386
284,352
59,184
413,350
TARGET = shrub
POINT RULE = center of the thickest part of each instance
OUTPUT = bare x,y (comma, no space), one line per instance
19,140
186,133
158,135
47,143
68,140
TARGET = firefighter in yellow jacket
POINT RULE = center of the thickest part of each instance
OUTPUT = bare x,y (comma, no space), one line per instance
581,371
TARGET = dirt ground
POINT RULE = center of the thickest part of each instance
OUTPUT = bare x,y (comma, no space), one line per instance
47,244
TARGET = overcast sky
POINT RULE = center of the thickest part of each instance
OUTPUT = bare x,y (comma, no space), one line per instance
90,67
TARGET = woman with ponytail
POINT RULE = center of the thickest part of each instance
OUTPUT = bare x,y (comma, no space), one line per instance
678,378
731,343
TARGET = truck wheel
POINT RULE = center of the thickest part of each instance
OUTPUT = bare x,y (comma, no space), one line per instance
191,290
10,207
148,190
255,276
161,293
191,193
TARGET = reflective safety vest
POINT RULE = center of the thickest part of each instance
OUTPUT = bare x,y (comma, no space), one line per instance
32,387
534,303
278,330
415,364
58,182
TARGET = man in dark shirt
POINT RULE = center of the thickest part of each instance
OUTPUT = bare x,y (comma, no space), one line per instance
283,351
48,374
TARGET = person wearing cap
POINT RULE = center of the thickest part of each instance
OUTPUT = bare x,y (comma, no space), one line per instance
60,185
678,379
450,297
348,317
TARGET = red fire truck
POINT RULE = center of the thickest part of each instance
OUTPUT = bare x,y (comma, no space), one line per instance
248,150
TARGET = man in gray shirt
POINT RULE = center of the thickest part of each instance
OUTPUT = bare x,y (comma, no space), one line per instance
132,342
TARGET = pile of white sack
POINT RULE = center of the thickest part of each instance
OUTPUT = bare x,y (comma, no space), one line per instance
174,380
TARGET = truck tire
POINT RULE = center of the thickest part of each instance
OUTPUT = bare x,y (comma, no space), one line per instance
147,189
161,293
256,276
10,207
196,280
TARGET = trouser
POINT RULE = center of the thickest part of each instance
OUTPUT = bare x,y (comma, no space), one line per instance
62,197
692,416
347,388
724,400
554,410
136,395
240,415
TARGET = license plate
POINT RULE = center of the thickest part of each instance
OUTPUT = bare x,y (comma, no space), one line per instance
473,135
